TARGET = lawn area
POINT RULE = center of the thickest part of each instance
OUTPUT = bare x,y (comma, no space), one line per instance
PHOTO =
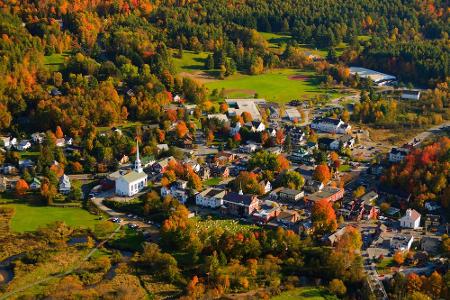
29,154
275,85
29,218
191,61
385,265
276,40
226,224
344,168
312,293
212,181
55,61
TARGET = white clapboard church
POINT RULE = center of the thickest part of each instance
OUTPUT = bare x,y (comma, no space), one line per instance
132,182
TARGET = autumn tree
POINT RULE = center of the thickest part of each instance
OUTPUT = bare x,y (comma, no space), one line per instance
59,133
292,180
279,137
194,182
414,283
247,117
399,258
323,217
21,187
322,173
223,107
181,129
337,287
433,285
48,191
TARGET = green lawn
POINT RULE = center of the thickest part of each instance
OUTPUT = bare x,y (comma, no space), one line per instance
384,266
29,218
227,224
191,61
312,293
212,181
275,85
344,168
55,61
276,40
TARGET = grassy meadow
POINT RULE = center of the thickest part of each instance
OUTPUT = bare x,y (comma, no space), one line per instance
55,61
276,85
29,218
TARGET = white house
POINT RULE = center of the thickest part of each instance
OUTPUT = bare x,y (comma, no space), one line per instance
210,198
177,190
23,145
346,141
293,114
267,186
398,154
38,137
5,141
331,125
64,184
411,95
133,182
411,219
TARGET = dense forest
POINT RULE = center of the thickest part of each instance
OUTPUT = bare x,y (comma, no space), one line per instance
112,46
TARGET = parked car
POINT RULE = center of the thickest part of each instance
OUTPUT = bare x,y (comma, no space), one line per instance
132,226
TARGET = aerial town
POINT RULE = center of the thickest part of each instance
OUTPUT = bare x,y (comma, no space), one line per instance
137,162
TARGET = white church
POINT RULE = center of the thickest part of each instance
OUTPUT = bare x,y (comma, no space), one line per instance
133,182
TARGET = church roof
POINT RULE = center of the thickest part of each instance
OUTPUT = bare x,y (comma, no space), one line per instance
133,176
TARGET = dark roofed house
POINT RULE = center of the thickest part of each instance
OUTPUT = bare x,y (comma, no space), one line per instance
291,195
239,204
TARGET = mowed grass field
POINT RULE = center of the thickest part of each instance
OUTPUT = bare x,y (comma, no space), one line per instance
279,85
55,61
191,61
29,218
310,293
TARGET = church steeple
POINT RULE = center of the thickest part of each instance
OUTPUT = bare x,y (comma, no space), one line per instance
137,162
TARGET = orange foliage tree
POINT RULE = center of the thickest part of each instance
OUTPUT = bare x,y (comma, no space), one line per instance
21,187
59,133
323,217
322,173
181,129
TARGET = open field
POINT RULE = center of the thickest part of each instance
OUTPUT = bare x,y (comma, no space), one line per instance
278,85
212,181
190,61
29,218
312,293
55,61
227,224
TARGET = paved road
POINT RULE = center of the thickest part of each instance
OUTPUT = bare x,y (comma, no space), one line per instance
62,274
152,230
433,130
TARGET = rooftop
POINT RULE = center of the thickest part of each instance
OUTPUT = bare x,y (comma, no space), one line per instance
133,176
325,193
238,198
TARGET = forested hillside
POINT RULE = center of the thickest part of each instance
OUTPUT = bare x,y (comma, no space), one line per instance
108,47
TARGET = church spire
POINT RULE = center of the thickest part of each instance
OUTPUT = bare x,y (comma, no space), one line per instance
137,162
